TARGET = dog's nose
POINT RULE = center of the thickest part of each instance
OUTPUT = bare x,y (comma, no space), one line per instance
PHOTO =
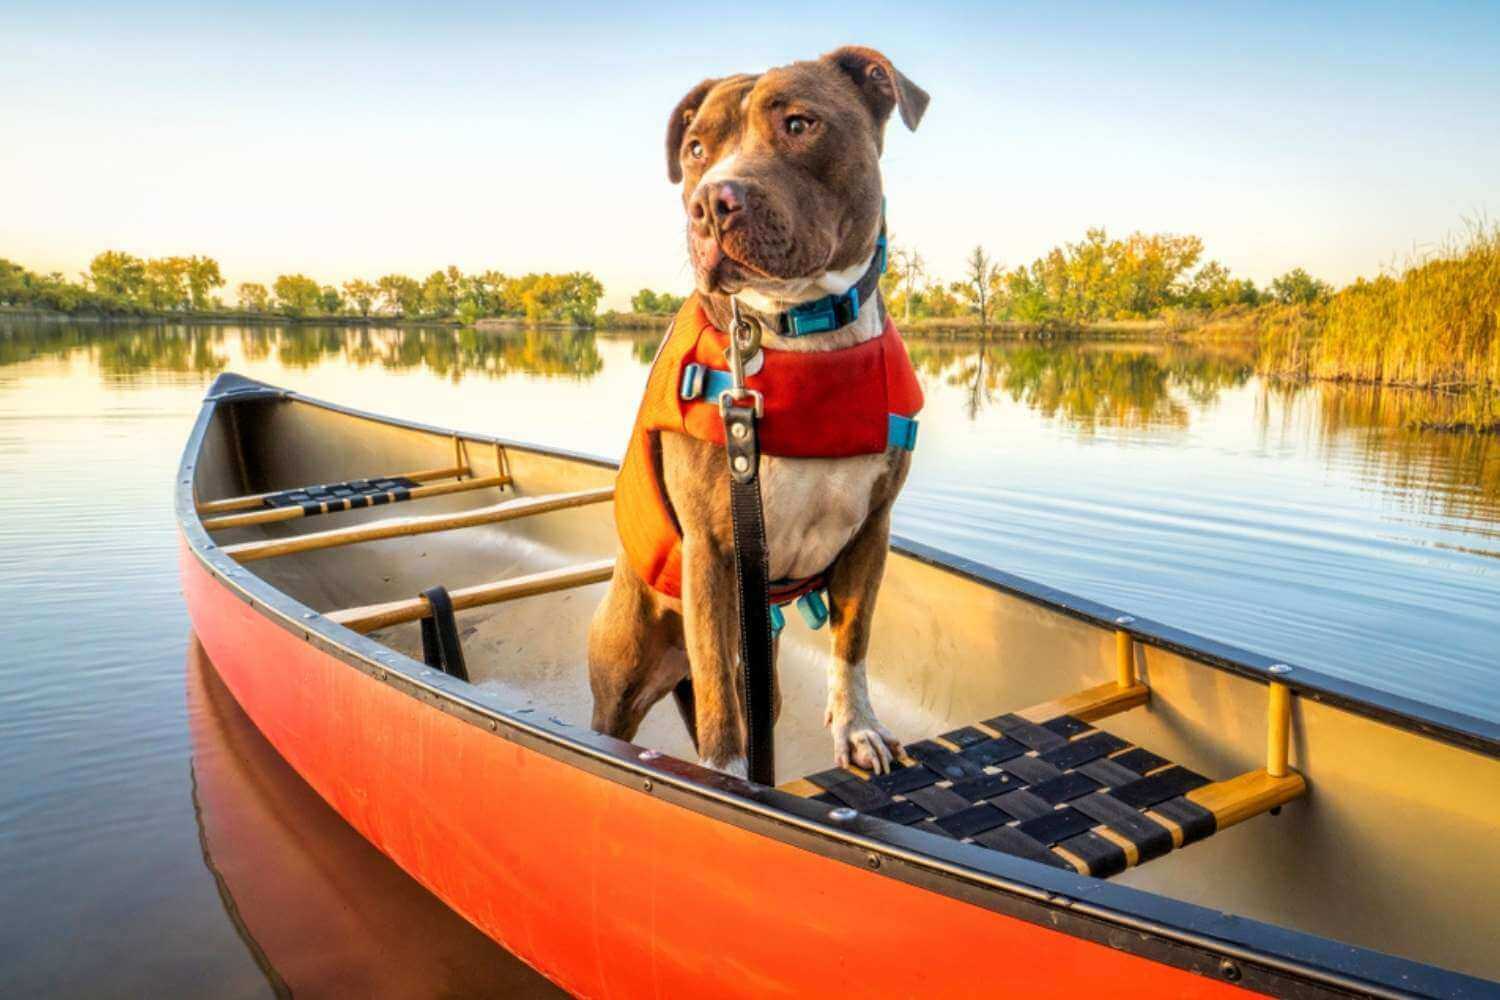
718,202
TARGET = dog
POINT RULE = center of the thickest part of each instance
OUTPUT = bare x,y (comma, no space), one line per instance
782,189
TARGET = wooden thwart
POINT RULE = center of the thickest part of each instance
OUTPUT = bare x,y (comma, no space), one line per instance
1090,704
377,616
1250,794
253,500
291,513
403,526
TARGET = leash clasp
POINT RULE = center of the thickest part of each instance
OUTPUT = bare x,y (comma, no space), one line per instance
744,344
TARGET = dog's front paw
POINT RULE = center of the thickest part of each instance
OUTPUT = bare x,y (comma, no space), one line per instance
859,738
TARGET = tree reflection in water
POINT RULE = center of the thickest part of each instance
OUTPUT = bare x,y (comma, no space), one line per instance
1088,384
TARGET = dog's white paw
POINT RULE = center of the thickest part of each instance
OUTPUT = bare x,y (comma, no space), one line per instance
859,738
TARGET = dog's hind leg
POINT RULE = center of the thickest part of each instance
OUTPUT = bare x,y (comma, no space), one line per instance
635,655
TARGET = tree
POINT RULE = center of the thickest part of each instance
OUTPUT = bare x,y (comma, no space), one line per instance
440,293
253,296
402,295
118,274
361,294
330,301
909,270
203,277
297,294
652,303
1297,287
979,284
165,283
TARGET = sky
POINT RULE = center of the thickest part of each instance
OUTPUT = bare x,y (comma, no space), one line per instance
355,140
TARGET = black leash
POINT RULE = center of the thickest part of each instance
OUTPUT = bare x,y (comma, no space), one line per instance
752,569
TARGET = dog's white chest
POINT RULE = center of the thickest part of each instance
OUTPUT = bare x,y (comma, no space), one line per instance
813,508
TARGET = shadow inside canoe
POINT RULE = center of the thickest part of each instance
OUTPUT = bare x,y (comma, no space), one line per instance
322,911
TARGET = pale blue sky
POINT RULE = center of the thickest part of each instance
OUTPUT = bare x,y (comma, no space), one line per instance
358,139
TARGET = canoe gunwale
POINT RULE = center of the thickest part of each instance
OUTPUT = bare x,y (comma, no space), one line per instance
1249,953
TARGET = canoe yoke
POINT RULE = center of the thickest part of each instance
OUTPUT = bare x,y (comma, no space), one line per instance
1048,785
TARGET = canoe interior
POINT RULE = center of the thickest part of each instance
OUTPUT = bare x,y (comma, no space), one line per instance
1392,849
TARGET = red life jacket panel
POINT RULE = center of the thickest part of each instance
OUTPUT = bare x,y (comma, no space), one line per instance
818,404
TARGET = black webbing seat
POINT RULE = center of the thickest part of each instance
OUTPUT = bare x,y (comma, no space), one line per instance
1059,791
344,496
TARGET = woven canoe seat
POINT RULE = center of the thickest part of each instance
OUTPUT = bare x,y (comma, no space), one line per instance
1058,791
333,497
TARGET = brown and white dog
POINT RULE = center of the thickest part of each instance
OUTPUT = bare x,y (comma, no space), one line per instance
782,188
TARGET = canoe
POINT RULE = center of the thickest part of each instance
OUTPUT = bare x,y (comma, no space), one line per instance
321,911
1091,802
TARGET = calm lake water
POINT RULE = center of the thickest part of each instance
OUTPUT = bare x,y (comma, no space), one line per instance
152,843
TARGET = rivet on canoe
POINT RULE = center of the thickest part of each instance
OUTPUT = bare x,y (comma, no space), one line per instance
649,754
494,725
309,614
873,860
1229,970
647,784
1125,620
843,814
1279,669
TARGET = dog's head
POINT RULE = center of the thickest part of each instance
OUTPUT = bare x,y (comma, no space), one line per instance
781,172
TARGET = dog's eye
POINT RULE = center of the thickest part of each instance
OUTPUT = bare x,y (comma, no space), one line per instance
695,149
798,124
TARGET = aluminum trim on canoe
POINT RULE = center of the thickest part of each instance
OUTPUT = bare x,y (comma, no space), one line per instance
1250,953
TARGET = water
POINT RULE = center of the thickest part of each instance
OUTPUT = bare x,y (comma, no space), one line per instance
152,843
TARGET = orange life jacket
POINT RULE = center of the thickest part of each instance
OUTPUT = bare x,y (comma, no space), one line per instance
818,404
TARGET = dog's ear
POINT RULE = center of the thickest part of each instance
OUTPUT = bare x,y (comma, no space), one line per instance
880,84
682,117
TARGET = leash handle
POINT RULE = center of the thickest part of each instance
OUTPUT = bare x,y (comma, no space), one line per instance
751,562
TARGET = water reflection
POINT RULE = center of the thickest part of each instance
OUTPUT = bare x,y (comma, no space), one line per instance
1084,386
127,349
1455,474
321,910
1089,385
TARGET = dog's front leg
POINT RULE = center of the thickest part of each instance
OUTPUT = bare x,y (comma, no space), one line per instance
711,627
854,583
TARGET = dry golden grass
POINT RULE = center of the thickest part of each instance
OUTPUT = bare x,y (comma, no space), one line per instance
1437,325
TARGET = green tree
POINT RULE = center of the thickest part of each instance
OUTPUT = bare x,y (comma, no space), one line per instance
297,294
652,303
330,301
1297,287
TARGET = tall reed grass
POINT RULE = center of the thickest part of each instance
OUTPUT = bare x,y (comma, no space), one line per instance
1437,325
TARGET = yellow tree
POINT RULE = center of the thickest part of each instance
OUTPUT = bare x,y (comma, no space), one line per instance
362,294
203,277
253,296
